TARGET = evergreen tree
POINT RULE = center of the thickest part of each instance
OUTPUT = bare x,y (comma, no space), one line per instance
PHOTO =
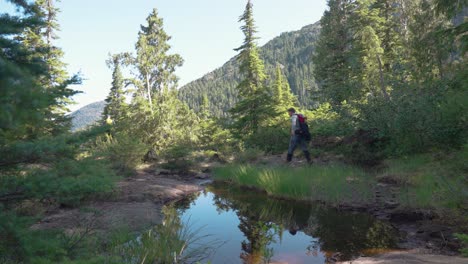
255,104
283,97
155,67
115,101
332,57
368,51
39,39
156,115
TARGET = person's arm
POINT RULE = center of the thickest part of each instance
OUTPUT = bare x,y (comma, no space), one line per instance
293,124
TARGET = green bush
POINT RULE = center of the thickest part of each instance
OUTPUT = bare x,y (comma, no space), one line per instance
272,139
325,122
178,157
464,239
416,121
123,151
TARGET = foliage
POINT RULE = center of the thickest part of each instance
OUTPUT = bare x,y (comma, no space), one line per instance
324,121
115,101
431,181
255,104
87,116
464,239
291,51
396,69
123,151
178,157
170,242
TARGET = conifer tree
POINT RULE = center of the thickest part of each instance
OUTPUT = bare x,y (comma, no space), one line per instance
155,66
115,101
39,40
255,104
368,51
283,97
34,91
332,56
156,115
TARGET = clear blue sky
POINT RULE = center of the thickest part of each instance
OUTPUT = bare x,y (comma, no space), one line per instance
204,33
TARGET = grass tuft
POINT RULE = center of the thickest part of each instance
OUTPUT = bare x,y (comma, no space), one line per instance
336,184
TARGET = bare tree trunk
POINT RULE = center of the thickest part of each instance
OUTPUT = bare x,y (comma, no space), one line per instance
382,80
148,89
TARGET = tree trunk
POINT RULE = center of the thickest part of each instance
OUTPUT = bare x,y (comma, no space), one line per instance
148,89
382,80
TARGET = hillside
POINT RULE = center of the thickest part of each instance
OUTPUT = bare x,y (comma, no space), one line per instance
87,115
292,50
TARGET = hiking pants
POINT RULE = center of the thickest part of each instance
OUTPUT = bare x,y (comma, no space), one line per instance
297,140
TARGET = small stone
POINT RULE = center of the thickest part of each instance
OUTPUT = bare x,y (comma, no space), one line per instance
202,176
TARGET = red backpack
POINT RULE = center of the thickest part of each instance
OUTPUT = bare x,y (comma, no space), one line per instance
303,127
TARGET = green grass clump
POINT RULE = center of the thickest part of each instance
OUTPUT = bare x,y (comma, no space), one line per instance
332,184
430,181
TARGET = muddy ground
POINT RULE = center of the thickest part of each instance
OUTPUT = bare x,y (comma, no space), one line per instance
134,205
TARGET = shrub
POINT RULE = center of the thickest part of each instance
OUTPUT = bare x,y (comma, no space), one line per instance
272,139
464,239
123,151
178,157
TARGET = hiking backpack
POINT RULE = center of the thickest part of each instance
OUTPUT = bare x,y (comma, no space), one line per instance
303,127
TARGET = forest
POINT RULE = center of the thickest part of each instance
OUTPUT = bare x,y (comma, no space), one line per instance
382,84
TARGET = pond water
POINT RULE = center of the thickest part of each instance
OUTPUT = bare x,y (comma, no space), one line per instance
252,228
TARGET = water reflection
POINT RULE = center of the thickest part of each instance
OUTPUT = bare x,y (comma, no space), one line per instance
264,223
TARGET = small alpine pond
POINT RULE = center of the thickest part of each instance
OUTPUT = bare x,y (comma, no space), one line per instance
253,228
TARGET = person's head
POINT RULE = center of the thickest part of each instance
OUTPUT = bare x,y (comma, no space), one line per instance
291,111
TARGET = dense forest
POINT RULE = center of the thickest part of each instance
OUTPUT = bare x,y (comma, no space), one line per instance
378,80
87,115
292,51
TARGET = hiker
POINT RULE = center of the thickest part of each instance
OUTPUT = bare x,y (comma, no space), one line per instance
297,136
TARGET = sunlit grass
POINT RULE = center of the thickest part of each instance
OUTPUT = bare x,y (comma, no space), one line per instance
429,182
333,184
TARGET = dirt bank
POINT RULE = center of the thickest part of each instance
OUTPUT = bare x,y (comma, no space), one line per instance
134,205
408,257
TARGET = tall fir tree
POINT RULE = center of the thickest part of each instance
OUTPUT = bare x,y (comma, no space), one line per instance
368,52
35,100
332,56
155,66
155,114
283,97
39,39
115,102
255,104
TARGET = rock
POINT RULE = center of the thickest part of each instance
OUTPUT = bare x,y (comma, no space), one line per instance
202,176
163,172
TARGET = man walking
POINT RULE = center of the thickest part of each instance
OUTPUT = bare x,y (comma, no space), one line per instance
296,138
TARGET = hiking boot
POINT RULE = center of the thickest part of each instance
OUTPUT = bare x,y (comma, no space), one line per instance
307,156
289,158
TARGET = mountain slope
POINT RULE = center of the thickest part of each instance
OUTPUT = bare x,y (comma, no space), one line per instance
292,50
87,115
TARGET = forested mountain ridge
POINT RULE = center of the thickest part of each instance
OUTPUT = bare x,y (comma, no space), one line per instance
87,115
292,50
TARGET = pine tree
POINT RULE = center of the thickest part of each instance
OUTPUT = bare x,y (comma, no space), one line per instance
115,101
283,96
255,104
155,67
39,40
368,51
155,114
332,57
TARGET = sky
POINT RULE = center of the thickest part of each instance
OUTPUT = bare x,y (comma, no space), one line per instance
204,33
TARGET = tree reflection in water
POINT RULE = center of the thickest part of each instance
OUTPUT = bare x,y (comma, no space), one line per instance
263,221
